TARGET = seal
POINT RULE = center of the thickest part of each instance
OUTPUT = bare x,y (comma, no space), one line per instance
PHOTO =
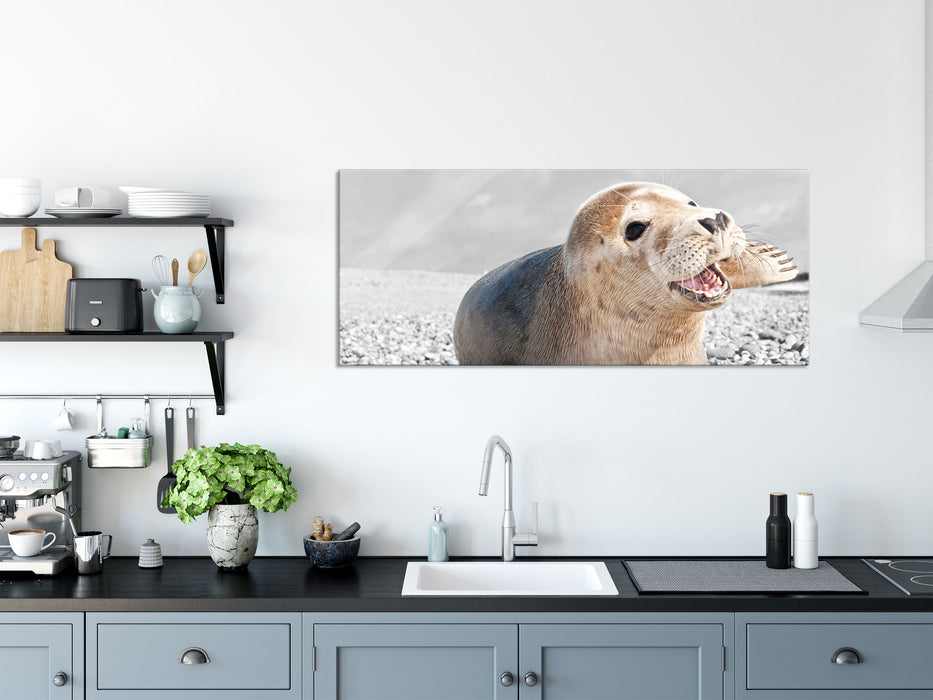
641,267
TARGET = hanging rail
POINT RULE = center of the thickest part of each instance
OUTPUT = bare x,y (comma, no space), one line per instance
82,397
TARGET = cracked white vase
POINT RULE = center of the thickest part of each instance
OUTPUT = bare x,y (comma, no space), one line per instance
232,535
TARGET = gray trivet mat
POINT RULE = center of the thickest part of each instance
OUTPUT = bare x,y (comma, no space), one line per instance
747,576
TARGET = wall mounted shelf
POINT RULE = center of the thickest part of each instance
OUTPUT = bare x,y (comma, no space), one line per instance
213,345
214,228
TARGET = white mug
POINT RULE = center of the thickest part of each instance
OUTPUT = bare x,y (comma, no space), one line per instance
37,449
86,197
64,420
28,543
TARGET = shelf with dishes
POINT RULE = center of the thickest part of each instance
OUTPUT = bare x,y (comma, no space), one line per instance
214,227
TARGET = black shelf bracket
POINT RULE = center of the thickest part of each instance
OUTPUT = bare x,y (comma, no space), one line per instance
215,248
215,361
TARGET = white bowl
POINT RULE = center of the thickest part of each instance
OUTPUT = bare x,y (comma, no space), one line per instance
20,182
14,189
19,204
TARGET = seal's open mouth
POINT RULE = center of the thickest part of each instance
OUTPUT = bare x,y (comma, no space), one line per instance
709,285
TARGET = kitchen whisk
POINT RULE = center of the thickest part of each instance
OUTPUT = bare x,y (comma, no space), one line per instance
161,270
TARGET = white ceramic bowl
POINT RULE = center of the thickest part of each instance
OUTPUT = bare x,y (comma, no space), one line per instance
19,182
19,204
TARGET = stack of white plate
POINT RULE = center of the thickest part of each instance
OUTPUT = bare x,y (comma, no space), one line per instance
165,203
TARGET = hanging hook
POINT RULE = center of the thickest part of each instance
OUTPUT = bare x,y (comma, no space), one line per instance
169,402
189,400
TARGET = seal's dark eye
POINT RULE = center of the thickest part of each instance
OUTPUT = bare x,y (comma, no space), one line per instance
691,203
634,230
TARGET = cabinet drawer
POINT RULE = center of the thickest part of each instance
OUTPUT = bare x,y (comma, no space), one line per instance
252,656
799,656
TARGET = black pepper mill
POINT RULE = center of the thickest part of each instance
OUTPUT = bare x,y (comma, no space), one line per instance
777,550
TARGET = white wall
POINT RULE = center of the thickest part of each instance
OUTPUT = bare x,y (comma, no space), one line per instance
259,104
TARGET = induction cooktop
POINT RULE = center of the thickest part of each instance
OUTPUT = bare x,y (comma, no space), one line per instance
913,576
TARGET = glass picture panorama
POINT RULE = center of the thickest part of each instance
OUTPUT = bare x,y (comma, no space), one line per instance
574,267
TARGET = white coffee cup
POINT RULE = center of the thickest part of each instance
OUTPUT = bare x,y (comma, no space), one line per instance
65,420
37,449
85,197
28,543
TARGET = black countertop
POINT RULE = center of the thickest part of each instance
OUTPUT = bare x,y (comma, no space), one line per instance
290,584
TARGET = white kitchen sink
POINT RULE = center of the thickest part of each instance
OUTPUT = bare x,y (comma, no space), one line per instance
496,578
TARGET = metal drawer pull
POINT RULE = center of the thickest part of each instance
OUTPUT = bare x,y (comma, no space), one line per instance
194,655
847,655
531,679
506,679
59,679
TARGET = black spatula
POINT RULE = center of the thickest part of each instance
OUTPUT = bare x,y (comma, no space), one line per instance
168,481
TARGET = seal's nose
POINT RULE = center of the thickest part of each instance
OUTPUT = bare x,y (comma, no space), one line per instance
717,225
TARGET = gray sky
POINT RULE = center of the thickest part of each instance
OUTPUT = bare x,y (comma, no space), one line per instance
474,220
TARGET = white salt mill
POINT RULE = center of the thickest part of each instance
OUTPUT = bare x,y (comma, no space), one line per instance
805,533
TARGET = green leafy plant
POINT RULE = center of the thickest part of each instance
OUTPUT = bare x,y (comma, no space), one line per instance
230,474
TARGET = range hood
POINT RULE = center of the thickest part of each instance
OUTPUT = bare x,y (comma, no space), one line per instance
908,306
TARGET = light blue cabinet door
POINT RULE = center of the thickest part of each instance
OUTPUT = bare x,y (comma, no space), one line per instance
414,661
618,662
31,655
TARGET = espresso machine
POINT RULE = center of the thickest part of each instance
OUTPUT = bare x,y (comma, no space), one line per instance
40,494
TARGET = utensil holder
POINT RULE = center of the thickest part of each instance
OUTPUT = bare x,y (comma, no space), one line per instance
118,453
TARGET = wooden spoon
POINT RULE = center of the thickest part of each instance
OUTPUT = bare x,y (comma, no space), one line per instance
174,272
195,264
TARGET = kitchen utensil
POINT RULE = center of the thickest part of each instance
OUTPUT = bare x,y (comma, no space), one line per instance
161,269
195,264
42,449
104,305
20,196
79,213
189,415
65,420
8,445
332,554
89,551
114,453
163,203
167,481
150,555
28,543
176,309
84,197
348,532
174,272
33,287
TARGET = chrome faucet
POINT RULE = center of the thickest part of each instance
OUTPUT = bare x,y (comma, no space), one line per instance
510,539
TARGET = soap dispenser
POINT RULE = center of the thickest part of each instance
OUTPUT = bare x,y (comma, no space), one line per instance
437,537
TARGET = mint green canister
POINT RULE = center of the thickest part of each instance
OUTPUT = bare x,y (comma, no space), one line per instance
177,309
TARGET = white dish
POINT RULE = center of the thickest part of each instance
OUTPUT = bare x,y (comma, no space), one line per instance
171,215
76,213
98,209
160,193
171,203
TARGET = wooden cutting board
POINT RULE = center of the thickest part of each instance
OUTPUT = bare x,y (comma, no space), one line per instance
33,286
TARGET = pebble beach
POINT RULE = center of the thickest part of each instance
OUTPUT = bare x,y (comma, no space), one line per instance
392,317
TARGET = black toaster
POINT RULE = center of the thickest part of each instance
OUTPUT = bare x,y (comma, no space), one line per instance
104,305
